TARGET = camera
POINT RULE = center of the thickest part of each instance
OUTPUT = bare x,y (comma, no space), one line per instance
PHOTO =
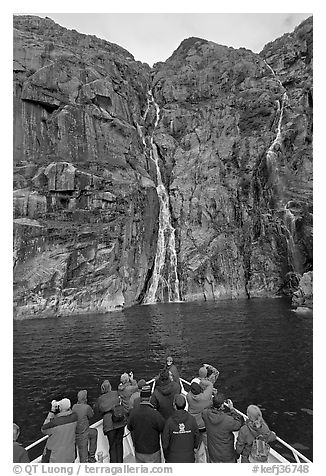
55,406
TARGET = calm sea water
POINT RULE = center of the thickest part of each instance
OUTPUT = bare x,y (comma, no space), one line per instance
262,349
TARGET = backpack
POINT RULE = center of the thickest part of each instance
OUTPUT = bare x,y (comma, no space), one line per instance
118,413
259,450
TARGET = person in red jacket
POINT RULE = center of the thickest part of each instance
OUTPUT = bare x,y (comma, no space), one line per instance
220,427
20,455
254,427
181,435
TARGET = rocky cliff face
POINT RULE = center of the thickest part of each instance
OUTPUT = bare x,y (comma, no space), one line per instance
234,145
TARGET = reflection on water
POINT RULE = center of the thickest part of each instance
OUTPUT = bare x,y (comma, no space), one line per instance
262,349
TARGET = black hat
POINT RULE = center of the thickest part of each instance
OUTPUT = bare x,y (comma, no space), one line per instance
218,400
195,388
145,392
180,401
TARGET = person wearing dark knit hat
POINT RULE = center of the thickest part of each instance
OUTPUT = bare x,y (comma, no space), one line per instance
135,397
164,391
199,399
220,427
181,436
146,425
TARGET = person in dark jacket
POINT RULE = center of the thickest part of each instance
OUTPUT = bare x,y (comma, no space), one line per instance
126,388
20,455
254,427
60,425
113,430
163,395
146,425
181,435
86,437
220,427
171,367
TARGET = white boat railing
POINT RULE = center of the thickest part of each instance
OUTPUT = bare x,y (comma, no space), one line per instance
299,458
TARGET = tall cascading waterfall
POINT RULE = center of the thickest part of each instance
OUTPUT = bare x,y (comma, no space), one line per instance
288,217
164,285
276,144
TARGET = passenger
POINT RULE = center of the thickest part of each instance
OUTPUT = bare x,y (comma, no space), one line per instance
173,369
181,435
254,427
135,397
210,373
146,425
112,429
164,391
20,455
86,437
219,428
126,388
60,425
199,399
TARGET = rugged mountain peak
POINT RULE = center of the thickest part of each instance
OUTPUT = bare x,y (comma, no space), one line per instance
47,30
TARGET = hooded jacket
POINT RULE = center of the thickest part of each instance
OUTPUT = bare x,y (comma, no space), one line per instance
162,397
175,373
180,438
146,424
248,432
84,413
220,438
104,405
198,403
60,446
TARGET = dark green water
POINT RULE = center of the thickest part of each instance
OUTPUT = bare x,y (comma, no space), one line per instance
263,350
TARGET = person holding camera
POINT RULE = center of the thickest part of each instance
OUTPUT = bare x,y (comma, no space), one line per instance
60,425
126,388
220,426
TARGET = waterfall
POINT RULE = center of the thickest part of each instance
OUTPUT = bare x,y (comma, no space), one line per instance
164,283
271,155
290,230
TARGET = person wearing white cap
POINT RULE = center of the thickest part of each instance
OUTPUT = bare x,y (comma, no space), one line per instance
60,425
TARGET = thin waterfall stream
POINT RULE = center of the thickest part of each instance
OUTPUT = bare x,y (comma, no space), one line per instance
164,285
288,218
